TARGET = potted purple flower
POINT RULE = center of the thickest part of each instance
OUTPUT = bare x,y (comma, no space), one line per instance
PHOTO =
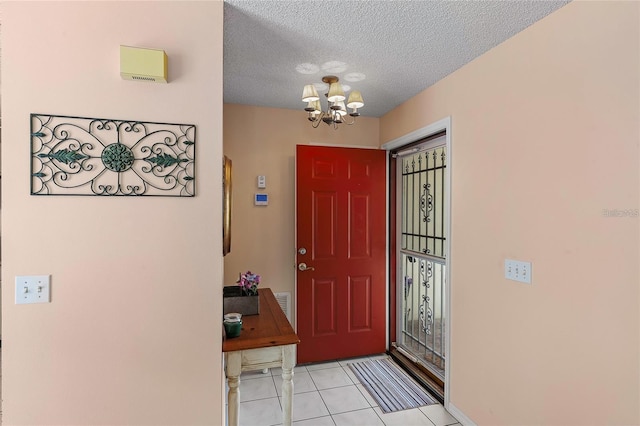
249,282
242,298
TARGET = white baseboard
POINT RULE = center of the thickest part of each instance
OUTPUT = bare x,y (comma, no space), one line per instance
459,415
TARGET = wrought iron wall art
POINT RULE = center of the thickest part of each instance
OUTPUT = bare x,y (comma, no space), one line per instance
97,156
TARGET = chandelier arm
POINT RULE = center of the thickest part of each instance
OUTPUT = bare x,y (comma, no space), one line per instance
316,122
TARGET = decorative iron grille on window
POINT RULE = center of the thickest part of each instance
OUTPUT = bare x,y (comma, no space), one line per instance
96,156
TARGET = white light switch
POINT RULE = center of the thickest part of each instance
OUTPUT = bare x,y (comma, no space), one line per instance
517,270
33,289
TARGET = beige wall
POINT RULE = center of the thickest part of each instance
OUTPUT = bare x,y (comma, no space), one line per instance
262,141
132,335
544,138
531,122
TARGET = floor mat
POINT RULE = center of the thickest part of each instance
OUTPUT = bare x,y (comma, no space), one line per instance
390,386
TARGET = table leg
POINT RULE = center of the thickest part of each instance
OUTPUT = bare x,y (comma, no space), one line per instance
234,369
288,362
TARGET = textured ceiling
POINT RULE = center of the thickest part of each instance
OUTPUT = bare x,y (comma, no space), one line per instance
389,50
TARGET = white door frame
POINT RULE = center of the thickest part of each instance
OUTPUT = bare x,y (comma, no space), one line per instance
432,129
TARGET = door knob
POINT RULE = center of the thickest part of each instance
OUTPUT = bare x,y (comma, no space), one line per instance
304,267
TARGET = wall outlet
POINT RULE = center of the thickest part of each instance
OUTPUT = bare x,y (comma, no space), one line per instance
33,289
517,270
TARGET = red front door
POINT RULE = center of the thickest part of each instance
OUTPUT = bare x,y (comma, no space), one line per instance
341,237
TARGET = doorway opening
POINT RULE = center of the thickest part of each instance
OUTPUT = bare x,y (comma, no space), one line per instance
419,256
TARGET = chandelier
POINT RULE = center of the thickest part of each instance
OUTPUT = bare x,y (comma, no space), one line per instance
336,111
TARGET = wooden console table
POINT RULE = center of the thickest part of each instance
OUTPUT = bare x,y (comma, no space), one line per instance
267,340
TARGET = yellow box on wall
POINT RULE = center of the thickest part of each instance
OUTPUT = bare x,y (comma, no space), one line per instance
142,64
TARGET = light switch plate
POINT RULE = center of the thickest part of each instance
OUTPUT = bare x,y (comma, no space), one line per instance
33,289
517,270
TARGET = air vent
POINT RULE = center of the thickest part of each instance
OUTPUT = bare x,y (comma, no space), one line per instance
284,300
135,77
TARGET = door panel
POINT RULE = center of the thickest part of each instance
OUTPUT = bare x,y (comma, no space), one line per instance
324,233
359,231
324,308
341,222
360,303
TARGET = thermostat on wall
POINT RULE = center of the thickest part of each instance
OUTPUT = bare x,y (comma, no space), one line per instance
261,199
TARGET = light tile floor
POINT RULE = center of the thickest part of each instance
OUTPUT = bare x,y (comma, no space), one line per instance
325,394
